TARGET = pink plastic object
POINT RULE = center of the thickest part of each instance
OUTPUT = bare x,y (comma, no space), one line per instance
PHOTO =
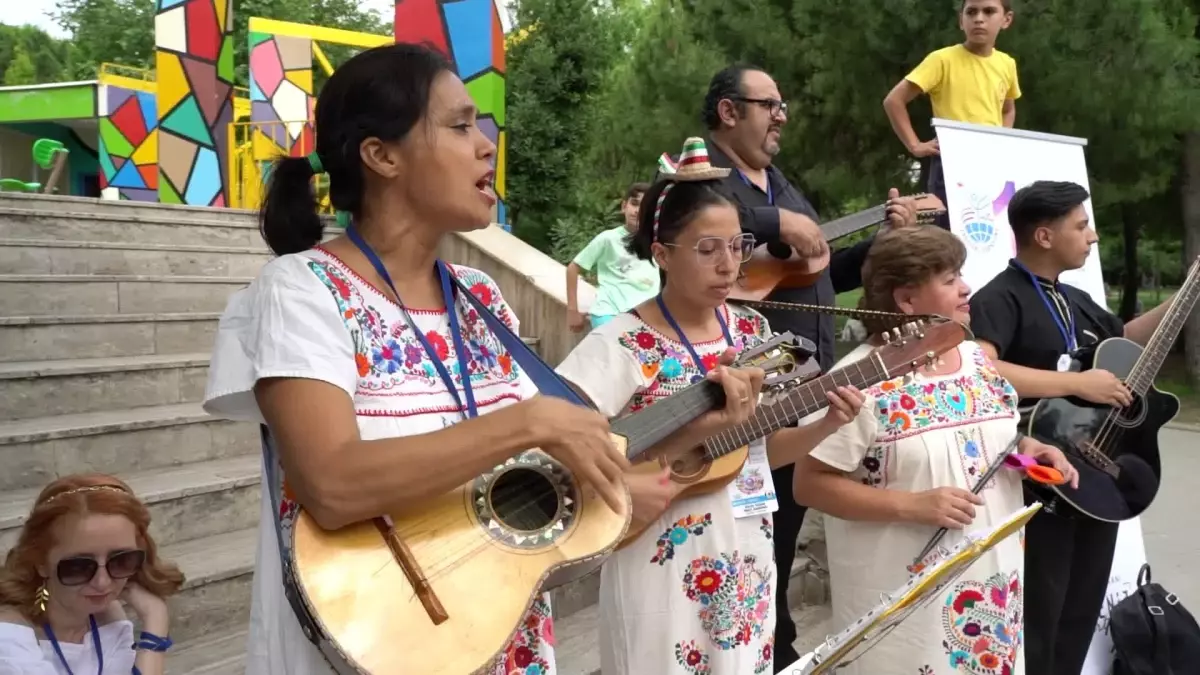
1019,461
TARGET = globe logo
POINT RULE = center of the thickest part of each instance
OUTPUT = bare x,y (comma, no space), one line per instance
980,232
978,224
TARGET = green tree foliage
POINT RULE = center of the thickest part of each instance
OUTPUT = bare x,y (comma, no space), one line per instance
20,69
43,58
554,77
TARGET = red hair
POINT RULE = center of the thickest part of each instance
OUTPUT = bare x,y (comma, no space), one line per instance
70,496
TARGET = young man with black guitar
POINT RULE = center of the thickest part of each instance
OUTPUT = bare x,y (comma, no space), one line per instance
1029,323
744,113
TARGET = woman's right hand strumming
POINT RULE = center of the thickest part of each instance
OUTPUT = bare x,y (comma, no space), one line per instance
580,439
949,507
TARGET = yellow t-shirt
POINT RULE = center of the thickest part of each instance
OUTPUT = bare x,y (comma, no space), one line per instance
965,87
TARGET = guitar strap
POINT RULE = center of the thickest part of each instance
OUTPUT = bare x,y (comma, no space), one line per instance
543,376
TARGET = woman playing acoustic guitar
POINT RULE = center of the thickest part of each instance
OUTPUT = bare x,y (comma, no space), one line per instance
694,590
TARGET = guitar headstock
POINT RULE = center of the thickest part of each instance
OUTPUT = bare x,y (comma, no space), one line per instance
929,207
787,360
918,344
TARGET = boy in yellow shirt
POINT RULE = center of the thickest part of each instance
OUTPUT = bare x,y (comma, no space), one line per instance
969,82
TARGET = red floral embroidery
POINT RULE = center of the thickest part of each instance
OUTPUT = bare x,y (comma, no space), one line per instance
745,326
481,291
439,345
645,340
710,361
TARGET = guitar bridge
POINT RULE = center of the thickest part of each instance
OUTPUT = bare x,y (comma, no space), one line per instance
1094,456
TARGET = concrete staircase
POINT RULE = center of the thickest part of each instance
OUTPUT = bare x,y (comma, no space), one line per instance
107,316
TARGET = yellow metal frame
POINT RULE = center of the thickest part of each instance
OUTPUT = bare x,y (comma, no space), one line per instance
318,33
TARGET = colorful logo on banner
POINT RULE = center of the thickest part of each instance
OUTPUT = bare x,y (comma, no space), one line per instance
979,217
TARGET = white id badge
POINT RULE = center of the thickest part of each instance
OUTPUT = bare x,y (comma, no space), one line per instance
1064,363
752,493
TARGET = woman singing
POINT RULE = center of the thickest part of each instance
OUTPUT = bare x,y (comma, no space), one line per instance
693,593
906,466
83,550
382,389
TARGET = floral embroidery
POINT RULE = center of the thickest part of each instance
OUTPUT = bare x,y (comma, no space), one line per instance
734,595
766,657
391,361
925,670
666,364
767,529
677,534
983,625
522,657
973,455
693,659
875,465
919,405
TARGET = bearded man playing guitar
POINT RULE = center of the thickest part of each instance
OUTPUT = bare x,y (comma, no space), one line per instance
745,113
1033,326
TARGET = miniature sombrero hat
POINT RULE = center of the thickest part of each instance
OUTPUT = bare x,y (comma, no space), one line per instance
692,165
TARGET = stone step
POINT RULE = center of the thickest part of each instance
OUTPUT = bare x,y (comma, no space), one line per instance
68,224
75,294
88,205
215,599
35,451
199,499
41,256
31,338
220,654
69,386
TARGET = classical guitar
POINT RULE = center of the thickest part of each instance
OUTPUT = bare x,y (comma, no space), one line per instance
1116,450
719,461
767,271
442,590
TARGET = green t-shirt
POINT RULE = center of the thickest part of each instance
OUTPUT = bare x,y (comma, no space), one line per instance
625,281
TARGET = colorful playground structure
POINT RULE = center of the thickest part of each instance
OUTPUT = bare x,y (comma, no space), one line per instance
184,134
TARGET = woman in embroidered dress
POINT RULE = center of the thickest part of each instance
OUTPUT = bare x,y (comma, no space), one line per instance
320,347
84,549
906,466
693,593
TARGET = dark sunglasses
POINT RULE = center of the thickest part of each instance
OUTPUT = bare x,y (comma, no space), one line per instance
79,571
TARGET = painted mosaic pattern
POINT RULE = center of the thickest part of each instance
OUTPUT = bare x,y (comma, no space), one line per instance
469,33
129,144
281,95
194,63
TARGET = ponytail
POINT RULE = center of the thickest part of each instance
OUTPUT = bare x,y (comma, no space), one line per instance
288,219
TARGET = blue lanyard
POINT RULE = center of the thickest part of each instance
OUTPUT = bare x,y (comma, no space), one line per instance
1067,331
770,192
451,313
95,643
662,307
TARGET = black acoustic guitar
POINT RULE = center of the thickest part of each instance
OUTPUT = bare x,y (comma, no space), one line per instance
1116,450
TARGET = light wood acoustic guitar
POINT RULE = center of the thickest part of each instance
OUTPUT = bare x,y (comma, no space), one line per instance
766,271
718,462
442,590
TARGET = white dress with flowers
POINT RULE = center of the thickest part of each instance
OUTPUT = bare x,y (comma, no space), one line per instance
939,431
695,593
310,316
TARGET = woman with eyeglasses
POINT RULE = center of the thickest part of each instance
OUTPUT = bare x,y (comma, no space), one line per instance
83,553
694,592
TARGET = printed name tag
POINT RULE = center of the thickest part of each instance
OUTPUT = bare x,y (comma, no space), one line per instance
752,493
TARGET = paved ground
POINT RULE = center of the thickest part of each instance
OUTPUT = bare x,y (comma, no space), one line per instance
1169,529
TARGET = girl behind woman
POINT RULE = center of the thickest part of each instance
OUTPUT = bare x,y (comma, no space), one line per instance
84,550
693,593
906,466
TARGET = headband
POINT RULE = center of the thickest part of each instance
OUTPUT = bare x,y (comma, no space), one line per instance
318,169
85,490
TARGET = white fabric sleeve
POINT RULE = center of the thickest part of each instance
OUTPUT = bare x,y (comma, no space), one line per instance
285,324
847,447
20,653
608,374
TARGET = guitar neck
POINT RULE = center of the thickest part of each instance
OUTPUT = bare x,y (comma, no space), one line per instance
644,429
801,402
1141,378
848,225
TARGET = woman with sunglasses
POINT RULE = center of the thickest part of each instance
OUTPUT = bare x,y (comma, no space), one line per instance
694,592
84,550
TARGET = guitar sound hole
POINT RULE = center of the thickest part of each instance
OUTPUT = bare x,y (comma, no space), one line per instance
524,500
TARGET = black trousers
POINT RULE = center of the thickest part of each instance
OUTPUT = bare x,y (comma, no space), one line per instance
937,188
788,520
1068,558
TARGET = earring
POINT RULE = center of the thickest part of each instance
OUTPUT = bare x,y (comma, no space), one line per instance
41,597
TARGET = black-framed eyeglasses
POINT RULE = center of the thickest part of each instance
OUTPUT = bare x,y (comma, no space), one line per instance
773,105
712,250
80,570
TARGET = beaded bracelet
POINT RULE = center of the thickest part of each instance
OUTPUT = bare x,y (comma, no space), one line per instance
153,643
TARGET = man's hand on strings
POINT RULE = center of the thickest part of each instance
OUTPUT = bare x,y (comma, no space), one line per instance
901,211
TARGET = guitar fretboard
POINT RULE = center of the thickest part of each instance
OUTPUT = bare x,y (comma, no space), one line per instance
801,402
1141,378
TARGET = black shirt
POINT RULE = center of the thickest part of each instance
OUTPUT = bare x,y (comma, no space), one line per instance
1009,313
761,218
